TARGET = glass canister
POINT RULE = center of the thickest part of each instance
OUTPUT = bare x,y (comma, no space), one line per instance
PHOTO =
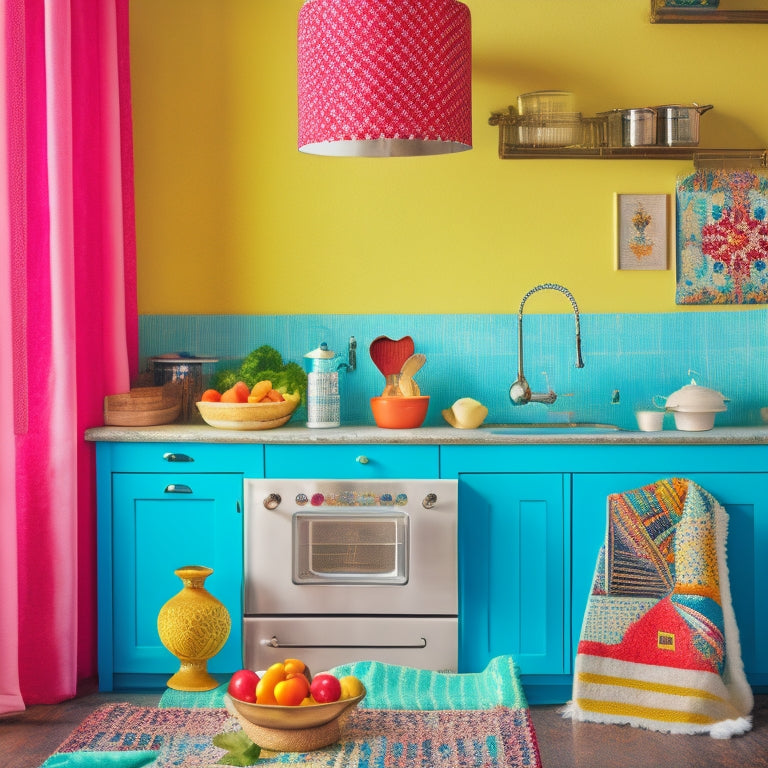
188,371
323,397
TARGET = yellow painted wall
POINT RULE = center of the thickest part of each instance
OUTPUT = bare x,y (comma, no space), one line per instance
232,219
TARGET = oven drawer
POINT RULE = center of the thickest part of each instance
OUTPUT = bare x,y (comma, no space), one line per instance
327,641
354,462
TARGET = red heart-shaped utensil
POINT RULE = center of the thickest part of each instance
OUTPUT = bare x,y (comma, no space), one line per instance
389,355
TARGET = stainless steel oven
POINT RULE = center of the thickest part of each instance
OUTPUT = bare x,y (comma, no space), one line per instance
340,570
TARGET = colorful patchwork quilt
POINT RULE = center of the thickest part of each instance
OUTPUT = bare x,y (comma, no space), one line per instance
659,646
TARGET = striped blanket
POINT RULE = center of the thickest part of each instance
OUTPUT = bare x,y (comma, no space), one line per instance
659,646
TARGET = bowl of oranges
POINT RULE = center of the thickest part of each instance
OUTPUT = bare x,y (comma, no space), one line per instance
285,709
243,407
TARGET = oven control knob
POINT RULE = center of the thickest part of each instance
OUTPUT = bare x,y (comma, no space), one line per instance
272,501
429,501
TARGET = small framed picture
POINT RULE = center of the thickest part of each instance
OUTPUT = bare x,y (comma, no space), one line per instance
642,231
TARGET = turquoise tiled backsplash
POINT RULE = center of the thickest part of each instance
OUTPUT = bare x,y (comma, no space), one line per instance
628,358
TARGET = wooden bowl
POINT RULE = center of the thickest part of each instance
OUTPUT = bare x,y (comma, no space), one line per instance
293,729
247,415
143,406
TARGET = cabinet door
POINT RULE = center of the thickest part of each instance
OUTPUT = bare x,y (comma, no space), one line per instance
513,569
745,498
160,523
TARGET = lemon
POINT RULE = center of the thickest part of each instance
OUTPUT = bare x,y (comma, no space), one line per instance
351,687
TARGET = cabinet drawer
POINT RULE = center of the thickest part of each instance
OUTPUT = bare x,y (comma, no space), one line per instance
351,461
183,457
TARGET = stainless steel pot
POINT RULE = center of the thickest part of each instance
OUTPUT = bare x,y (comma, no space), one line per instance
677,125
631,127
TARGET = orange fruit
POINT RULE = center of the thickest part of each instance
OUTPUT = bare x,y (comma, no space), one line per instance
236,394
265,689
294,665
211,396
242,390
291,691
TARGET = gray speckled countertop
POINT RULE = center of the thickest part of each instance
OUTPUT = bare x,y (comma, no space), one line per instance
182,433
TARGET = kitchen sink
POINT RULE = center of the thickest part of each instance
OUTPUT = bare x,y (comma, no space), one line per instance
551,428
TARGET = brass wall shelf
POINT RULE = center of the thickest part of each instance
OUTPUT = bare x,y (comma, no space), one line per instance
725,158
593,146
665,14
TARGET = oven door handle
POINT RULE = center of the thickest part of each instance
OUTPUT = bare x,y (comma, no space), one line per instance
273,642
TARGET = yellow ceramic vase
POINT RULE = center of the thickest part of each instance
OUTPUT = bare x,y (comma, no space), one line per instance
193,625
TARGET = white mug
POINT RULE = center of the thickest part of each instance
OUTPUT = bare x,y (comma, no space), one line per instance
650,421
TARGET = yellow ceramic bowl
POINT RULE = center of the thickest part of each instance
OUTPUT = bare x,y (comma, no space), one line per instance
247,415
293,718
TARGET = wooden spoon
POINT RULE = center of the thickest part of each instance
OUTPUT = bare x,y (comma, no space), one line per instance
411,366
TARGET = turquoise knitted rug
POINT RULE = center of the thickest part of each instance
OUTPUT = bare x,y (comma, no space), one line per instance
394,687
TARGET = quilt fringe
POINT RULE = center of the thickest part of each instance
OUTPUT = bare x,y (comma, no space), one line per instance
723,729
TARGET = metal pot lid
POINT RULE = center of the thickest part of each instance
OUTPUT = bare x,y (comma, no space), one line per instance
695,399
684,108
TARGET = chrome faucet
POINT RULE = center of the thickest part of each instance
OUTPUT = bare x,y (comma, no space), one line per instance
520,392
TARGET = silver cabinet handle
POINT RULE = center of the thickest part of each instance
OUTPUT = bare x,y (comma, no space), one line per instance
273,642
177,457
362,459
177,488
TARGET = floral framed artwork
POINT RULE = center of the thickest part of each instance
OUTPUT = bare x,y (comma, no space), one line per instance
641,231
722,237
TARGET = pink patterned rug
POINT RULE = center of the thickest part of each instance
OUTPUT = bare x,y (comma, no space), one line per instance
501,737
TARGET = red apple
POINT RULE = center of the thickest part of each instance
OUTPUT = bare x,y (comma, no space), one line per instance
242,685
325,688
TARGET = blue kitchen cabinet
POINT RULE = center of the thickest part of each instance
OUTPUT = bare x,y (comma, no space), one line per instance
161,507
514,570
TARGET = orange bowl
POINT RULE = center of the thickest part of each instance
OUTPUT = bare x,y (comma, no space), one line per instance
399,412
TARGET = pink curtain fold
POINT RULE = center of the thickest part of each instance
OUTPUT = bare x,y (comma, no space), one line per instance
68,324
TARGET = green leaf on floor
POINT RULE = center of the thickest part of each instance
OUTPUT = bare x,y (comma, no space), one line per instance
240,749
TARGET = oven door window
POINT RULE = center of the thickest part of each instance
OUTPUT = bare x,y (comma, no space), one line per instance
332,548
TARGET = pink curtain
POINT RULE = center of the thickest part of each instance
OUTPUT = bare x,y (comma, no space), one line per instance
68,324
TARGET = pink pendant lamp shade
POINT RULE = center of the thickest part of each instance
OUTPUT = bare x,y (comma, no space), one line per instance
381,78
